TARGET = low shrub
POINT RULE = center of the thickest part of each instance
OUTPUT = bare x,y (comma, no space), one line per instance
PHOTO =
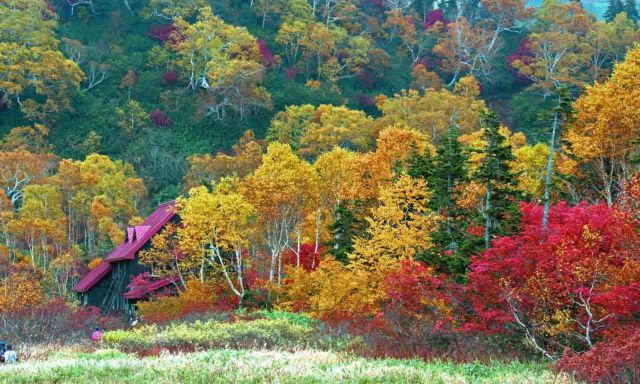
260,333
160,119
53,322
198,300
614,361
299,318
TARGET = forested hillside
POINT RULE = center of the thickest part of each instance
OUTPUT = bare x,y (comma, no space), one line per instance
121,82
435,175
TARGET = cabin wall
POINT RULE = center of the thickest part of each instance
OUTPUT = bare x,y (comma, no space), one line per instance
107,293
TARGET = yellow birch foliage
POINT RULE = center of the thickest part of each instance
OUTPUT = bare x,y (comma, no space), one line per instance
531,167
41,223
221,61
311,131
399,227
166,258
284,191
283,183
339,179
94,263
246,156
560,49
605,132
100,197
431,112
393,146
332,291
221,218
30,62
29,138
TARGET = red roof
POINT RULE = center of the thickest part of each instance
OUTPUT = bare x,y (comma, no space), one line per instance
127,250
145,231
91,278
153,286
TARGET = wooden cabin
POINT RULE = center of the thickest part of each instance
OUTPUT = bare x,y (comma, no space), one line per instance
107,285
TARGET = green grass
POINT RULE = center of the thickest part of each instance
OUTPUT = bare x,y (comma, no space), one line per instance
213,334
259,330
260,366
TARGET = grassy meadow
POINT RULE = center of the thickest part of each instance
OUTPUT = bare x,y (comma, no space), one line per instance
264,347
264,366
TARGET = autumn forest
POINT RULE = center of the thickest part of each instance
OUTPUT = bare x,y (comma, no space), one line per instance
448,181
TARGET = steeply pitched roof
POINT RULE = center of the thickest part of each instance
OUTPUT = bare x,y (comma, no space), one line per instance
94,275
127,250
143,232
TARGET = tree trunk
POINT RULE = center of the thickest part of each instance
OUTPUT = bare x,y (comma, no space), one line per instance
487,217
547,180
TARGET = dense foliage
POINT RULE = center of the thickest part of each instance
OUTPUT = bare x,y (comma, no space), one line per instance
436,177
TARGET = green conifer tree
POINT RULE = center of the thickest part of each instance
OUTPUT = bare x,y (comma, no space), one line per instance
348,223
419,166
631,8
613,8
449,173
500,213
444,174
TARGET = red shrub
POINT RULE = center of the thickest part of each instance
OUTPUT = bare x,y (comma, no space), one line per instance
163,32
414,318
170,78
140,281
266,56
615,361
291,72
54,321
366,79
419,319
51,7
309,258
160,119
365,100
523,54
415,290
433,17
570,285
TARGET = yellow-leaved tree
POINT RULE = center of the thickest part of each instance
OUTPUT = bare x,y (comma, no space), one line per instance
399,227
100,196
339,179
283,191
30,62
222,62
40,224
311,131
216,229
246,156
433,111
604,134
393,146
530,166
